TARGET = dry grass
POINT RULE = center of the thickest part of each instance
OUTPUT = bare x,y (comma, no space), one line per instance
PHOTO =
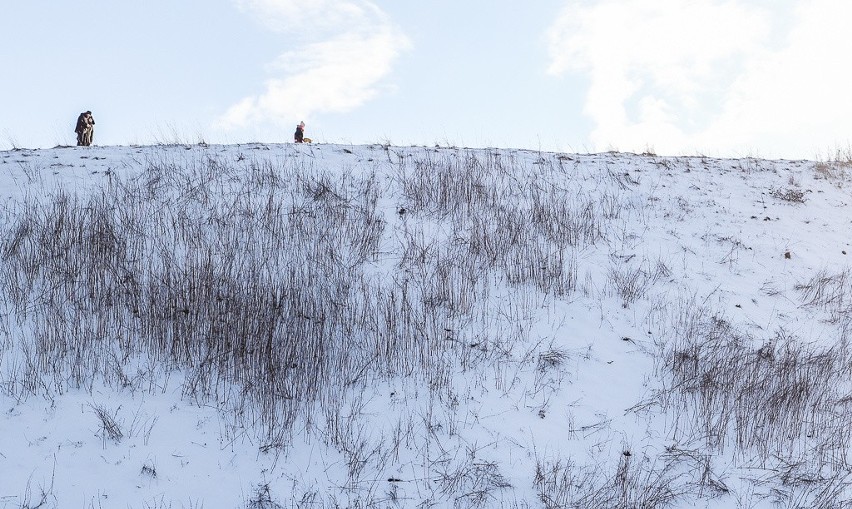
282,293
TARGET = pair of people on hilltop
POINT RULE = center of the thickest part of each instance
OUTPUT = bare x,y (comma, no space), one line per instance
85,129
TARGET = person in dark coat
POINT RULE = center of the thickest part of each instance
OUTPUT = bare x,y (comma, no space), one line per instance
81,128
299,136
85,129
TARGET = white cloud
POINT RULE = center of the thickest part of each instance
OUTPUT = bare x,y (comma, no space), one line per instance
798,95
338,73
709,74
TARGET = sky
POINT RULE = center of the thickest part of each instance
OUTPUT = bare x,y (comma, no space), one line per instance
728,78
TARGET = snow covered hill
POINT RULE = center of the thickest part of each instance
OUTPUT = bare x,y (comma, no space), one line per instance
265,326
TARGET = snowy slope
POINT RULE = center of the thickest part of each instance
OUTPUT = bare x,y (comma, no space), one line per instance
595,330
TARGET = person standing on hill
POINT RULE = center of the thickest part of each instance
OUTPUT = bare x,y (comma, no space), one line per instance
90,129
299,136
85,129
81,128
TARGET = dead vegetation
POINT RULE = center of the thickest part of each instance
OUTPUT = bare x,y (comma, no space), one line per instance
282,293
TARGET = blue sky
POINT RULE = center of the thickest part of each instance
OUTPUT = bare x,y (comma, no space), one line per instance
715,77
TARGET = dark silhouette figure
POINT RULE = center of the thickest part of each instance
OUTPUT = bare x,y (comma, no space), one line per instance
299,136
85,129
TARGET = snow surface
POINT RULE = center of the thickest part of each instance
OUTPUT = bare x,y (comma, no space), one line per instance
723,232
